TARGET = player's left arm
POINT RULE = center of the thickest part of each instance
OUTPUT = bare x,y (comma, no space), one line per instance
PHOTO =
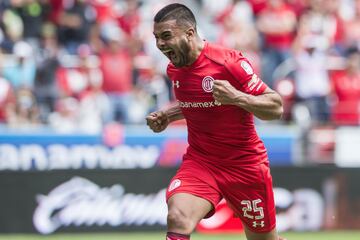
266,106
246,90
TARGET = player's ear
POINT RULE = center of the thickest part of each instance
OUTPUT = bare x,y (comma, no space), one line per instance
190,33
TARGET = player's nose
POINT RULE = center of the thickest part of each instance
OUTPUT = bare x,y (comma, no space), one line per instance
160,43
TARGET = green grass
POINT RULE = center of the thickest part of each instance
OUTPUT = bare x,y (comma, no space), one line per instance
338,235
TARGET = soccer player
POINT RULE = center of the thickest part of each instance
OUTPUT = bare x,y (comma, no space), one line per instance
217,93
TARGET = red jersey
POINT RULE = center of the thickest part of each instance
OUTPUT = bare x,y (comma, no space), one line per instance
219,134
116,79
284,39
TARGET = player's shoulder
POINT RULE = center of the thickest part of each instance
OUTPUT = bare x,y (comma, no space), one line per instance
231,59
222,55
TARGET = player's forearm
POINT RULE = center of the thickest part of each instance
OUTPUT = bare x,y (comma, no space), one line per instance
174,113
267,106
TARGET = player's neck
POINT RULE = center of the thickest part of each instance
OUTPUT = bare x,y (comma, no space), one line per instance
198,46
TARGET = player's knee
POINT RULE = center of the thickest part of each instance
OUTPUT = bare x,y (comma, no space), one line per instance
178,221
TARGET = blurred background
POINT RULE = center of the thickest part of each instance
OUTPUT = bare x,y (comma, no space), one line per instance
78,77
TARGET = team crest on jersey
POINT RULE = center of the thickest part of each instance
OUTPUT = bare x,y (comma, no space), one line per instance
208,83
246,66
174,184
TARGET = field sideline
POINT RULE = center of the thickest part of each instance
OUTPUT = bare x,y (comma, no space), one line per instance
337,235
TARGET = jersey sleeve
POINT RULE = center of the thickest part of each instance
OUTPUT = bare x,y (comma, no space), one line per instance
243,73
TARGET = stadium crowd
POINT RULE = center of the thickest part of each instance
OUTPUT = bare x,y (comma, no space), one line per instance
82,64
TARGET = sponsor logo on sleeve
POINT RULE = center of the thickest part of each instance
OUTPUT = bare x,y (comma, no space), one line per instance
247,68
174,184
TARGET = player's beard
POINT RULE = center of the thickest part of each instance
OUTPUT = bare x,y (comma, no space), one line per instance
182,54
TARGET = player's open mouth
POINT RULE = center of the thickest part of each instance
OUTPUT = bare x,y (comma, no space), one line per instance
169,53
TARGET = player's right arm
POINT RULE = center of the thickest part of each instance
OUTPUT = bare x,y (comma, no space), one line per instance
159,120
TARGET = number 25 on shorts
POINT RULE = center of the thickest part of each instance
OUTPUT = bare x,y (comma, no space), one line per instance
251,209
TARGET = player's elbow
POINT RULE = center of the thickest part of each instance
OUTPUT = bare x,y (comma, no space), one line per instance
278,113
278,109
274,113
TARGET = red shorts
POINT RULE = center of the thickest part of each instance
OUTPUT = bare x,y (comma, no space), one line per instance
246,189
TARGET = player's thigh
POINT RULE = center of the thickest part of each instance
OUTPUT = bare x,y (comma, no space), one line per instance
253,202
189,206
193,187
250,235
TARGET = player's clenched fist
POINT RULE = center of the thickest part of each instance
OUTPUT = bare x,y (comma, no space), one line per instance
157,121
224,92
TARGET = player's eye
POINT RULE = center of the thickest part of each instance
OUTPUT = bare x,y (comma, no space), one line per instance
166,37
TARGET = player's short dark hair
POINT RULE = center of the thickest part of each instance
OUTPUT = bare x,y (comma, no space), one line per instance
176,11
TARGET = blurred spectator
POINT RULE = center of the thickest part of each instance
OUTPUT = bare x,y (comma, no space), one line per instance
45,89
299,6
139,105
84,115
7,99
65,117
100,55
238,31
95,42
32,13
116,67
311,78
12,25
74,24
214,7
352,29
258,5
21,73
153,83
70,82
277,23
104,10
74,79
332,11
242,11
56,7
95,107
24,112
323,21
346,90
129,18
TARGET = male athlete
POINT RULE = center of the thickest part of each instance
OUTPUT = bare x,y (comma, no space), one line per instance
217,93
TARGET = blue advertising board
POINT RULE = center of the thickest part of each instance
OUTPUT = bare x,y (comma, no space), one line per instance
120,147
